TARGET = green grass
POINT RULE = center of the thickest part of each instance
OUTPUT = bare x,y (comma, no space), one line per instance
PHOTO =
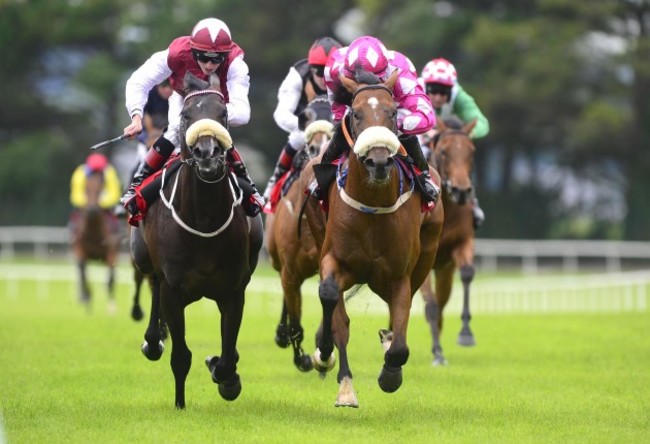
69,376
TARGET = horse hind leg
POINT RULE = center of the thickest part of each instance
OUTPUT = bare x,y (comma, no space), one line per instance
112,306
295,334
432,313
153,345
465,337
136,310
282,330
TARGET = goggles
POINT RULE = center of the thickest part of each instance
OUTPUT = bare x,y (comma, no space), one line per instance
437,88
318,70
214,57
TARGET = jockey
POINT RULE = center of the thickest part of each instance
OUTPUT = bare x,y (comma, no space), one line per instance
95,163
302,84
415,114
440,81
209,49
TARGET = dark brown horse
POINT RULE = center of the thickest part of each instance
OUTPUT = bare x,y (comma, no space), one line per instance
197,241
453,157
289,241
95,237
375,234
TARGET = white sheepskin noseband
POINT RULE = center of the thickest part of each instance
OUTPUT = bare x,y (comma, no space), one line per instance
208,127
376,136
319,126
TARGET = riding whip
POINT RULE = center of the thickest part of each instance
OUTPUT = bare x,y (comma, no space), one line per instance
108,142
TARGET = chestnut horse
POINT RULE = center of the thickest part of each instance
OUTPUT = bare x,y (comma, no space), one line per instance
95,237
453,157
290,243
197,241
375,234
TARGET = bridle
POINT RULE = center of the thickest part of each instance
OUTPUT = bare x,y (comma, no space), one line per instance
353,132
191,161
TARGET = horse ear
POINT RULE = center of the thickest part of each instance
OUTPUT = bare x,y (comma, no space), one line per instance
215,82
390,83
349,84
467,129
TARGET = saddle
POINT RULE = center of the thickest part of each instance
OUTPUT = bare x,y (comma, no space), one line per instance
284,182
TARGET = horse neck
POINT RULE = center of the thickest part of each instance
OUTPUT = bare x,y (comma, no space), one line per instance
360,187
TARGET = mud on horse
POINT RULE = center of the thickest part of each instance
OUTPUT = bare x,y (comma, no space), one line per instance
197,242
289,241
375,234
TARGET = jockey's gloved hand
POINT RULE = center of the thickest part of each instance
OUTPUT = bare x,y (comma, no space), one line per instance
297,139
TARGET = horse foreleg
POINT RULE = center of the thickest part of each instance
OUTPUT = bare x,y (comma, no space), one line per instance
224,369
153,345
390,378
323,358
112,307
346,396
181,356
444,281
465,337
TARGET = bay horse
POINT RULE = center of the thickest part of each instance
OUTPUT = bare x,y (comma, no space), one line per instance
94,238
289,242
196,241
375,234
453,156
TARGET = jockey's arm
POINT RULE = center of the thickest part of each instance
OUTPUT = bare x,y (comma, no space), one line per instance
238,84
78,187
288,99
143,79
466,109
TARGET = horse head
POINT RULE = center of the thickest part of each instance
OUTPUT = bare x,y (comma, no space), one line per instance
453,151
204,120
373,122
316,121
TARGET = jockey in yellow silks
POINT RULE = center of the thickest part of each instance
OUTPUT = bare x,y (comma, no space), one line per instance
111,193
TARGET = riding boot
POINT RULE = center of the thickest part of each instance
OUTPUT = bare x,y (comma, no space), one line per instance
336,147
152,162
252,201
429,190
324,171
478,216
282,166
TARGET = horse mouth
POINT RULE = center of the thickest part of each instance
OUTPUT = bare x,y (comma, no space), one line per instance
379,164
211,169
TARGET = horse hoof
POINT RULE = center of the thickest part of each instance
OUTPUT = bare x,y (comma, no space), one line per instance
152,353
466,340
303,362
230,390
136,313
322,367
439,361
282,340
390,378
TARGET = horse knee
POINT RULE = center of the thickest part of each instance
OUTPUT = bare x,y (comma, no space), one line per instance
396,356
328,292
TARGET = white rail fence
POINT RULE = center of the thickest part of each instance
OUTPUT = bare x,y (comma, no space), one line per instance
490,254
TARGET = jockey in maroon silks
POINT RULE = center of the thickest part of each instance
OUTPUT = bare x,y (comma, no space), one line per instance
209,49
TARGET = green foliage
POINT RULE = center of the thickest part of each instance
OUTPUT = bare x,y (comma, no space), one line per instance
557,78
